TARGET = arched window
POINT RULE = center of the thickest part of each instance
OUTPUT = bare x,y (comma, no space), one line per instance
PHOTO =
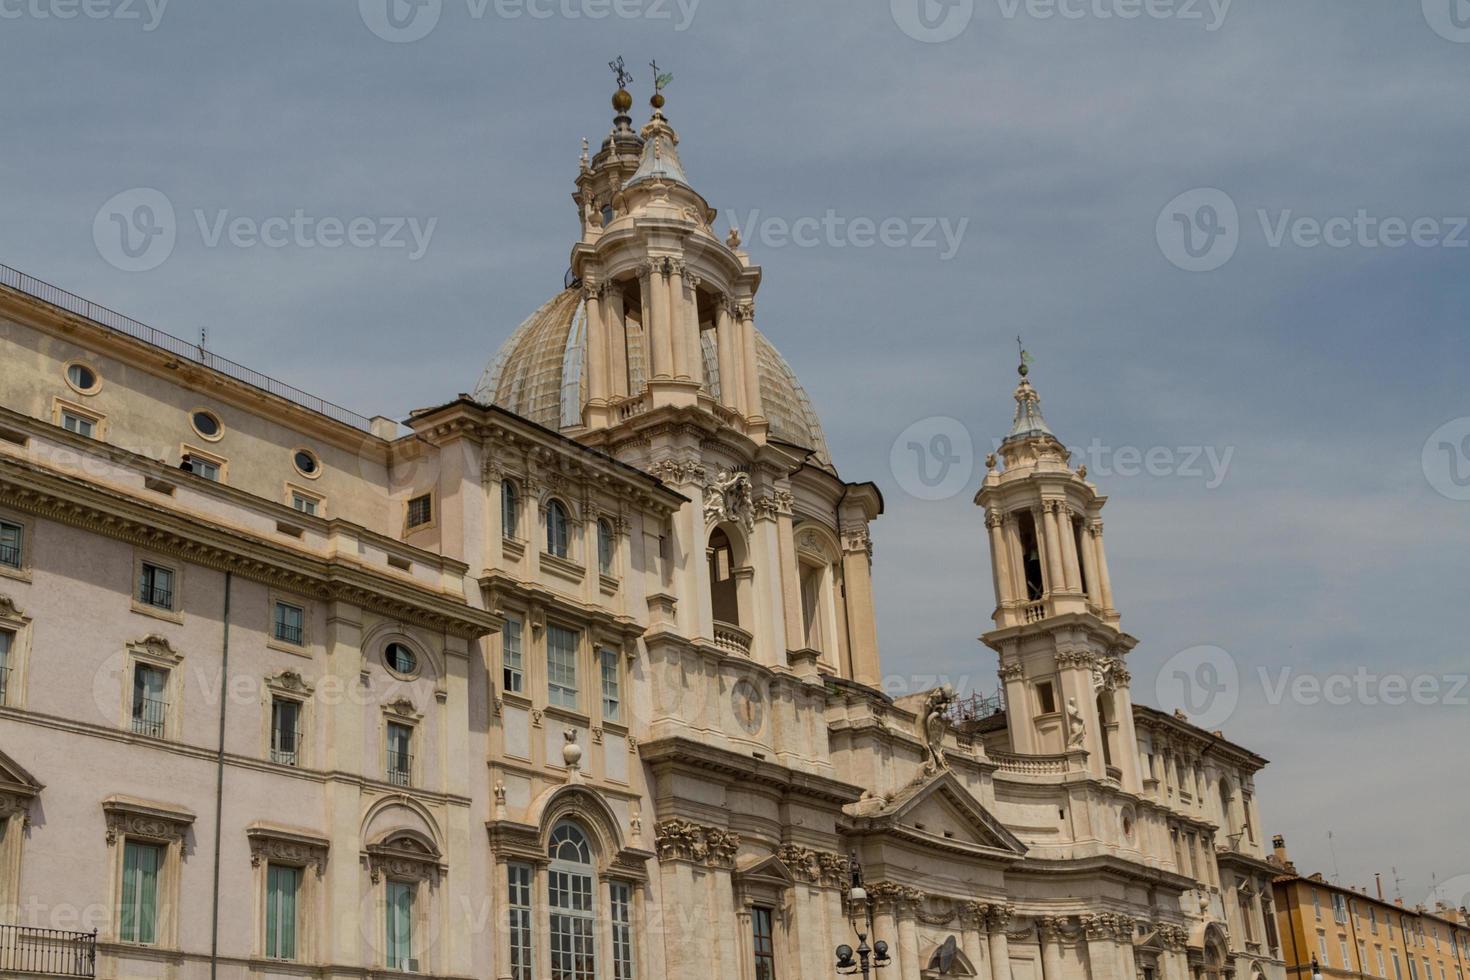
1105,723
723,595
557,535
510,501
604,547
573,910
1227,819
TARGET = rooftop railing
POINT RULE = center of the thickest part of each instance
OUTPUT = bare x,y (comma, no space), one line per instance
113,320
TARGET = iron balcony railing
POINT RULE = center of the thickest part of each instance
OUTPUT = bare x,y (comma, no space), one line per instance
156,596
286,747
47,952
400,768
10,555
149,717
287,633
57,296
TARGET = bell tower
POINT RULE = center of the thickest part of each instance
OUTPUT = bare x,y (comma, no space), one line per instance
1062,655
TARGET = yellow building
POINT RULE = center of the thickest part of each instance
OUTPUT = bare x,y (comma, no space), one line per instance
1338,931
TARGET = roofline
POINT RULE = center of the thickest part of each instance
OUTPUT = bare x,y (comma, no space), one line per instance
1209,736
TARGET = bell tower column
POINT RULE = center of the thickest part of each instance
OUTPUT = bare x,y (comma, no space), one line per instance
726,345
596,414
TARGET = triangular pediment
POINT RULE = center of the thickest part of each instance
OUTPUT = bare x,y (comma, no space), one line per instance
768,869
940,807
15,780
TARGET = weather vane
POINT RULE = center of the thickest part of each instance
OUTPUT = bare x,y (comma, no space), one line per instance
621,72
1026,357
661,80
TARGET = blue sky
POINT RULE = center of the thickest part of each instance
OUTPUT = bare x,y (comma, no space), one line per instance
1331,545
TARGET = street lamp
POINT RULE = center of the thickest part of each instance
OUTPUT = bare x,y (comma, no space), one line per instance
1316,968
860,914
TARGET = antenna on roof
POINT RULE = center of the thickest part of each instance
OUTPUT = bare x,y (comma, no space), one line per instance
1336,873
1398,892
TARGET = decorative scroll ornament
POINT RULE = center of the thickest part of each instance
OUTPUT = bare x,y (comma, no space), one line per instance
678,471
683,840
933,722
403,857
729,498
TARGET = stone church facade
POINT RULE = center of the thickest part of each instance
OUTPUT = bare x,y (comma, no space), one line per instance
575,679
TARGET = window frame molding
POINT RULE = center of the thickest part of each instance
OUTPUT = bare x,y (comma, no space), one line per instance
147,822
175,612
14,621
187,451
292,491
96,374
154,651
431,523
61,406
302,649
272,844
27,526
287,685
402,712
204,410
406,856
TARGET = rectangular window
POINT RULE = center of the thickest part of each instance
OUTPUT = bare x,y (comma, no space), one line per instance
1317,903
612,700
1363,964
399,925
1046,698
561,666
7,640
519,903
512,666
150,709
286,731
1247,921
156,586
1373,920
80,424
1382,966
138,914
1398,969
764,939
306,505
1322,946
200,466
420,511
282,886
621,902
290,624
1342,947
1339,908
509,511
10,543
573,925
400,754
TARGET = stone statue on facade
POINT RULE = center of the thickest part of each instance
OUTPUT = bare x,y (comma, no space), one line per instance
1076,726
729,498
932,724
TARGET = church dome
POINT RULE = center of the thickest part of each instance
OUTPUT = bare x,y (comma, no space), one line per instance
538,375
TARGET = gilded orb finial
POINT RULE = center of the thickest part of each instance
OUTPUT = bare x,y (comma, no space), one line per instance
661,81
622,100
1025,366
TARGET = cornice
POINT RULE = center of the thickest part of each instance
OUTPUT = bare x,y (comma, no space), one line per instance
678,752
37,491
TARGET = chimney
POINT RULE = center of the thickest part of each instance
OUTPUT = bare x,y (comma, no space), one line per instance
1278,848
1377,877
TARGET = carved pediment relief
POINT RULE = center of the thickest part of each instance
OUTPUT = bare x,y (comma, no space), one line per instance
158,648
281,846
127,816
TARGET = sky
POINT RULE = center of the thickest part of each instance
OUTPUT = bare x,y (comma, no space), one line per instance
1232,236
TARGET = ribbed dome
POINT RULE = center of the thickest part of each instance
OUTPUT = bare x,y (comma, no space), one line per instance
538,375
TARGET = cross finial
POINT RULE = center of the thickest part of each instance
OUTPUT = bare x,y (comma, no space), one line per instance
1025,367
661,80
618,69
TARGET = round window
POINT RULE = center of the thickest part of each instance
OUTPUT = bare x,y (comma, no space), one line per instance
81,377
207,424
401,660
306,462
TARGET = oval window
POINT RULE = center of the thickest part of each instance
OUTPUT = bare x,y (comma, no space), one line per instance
401,660
207,424
306,462
81,377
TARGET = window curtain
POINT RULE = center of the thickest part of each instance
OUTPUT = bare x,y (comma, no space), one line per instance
400,923
282,885
139,914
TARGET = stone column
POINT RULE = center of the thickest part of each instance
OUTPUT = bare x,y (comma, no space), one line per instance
1070,564
596,346
908,936
857,575
997,919
753,408
1049,932
790,572
1016,560
1089,567
617,340
973,921
999,565
656,321
727,345
1128,963
677,319
1058,577
1102,946
1019,718
1104,585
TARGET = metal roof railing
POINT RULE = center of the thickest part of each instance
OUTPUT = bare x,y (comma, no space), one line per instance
113,320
